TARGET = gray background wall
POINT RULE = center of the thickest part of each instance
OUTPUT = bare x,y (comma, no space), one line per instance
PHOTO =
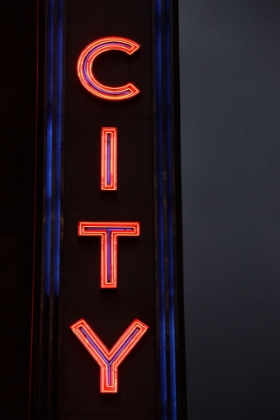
230,121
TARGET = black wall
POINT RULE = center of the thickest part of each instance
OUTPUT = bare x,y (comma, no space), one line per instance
230,107
17,140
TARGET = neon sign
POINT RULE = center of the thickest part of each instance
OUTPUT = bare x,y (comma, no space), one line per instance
109,232
155,110
86,74
109,360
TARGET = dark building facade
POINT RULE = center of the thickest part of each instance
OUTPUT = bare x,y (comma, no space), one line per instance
91,262
18,150
101,95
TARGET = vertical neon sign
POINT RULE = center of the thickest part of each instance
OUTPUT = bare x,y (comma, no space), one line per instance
163,175
109,232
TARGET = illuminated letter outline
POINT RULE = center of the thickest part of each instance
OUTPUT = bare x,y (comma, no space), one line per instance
86,75
109,360
109,232
108,159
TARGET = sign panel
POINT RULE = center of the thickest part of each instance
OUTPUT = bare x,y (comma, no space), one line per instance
109,313
108,281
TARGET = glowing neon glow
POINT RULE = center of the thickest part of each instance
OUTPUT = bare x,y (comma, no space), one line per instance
109,232
85,70
109,158
109,360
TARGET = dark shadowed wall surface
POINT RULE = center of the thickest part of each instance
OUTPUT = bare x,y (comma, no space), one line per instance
17,151
230,121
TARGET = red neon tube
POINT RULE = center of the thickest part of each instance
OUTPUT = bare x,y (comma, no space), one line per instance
109,360
108,159
109,233
86,74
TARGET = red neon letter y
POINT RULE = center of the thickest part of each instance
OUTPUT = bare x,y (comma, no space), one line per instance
109,360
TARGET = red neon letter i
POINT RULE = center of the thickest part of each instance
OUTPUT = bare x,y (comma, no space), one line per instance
109,158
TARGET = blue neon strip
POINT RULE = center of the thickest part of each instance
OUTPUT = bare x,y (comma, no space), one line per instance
53,145
172,349
49,138
108,159
57,209
160,214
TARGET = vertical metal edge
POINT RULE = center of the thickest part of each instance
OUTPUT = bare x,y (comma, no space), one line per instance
177,216
45,341
159,212
168,214
60,218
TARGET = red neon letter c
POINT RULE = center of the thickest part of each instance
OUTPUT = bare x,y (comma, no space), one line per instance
86,75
